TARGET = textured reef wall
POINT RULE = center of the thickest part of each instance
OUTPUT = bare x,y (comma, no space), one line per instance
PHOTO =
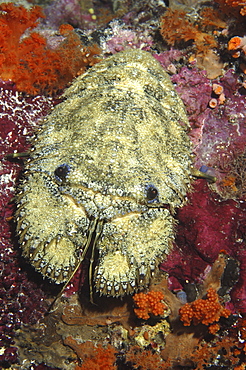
193,315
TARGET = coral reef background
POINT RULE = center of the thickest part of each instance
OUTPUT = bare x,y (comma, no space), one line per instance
194,317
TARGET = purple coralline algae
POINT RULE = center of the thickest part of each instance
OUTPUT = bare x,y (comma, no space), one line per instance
21,299
74,12
218,135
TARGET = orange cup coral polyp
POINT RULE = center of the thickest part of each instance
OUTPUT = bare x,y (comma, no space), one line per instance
149,303
206,311
28,62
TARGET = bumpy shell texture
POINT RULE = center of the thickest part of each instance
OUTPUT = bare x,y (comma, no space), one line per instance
108,166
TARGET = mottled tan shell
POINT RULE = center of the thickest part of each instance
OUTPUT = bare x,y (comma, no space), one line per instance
109,164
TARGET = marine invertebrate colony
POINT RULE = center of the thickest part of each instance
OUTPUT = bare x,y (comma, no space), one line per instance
108,163
206,311
174,20
26,58
149,303
94,358
230,5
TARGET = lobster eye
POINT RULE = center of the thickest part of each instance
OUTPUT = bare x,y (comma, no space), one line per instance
151,193
61,172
